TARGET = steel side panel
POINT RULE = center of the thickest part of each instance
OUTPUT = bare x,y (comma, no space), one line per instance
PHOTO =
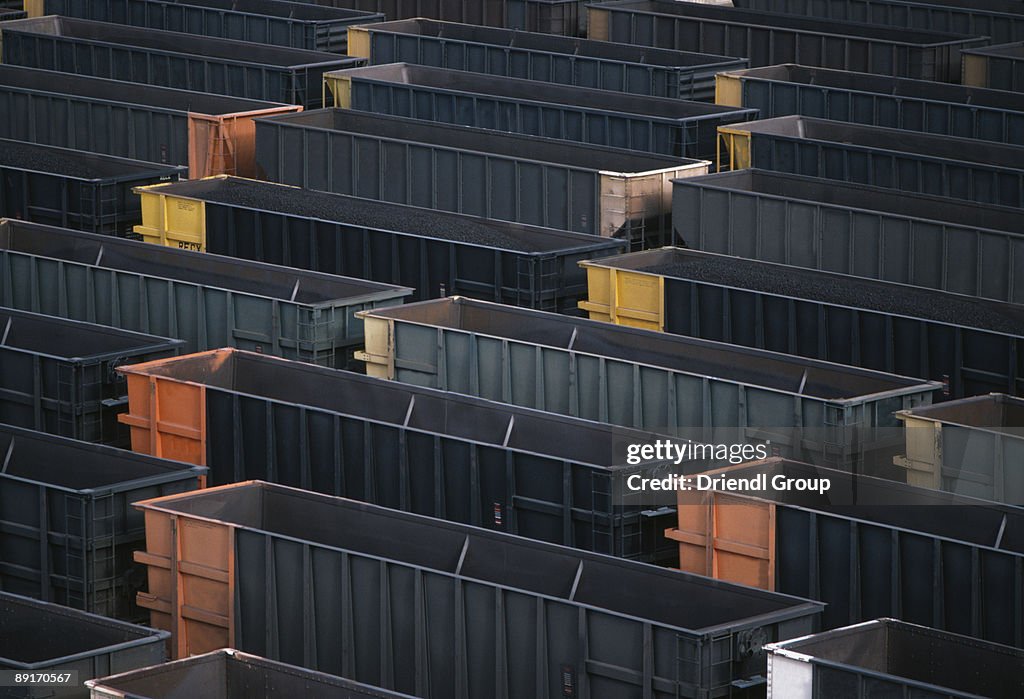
536,280
974,361
77,398
614,390
863,243
689,82
299,85
125,130
418,631
926,579
141,647
685,137
536,496
205,317
218,22
35,522
775,99
106,207
999,26
898,170
439,178
778,44
1005,73
981,464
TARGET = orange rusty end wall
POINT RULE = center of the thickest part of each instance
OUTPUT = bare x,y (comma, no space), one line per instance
190,570
226,144
166,417
727,537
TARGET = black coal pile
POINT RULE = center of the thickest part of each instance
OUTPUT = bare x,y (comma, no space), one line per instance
41,159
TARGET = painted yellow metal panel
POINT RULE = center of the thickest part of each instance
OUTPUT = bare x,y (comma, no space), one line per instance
176,222
737,148
340,86
358,42
728,90
379,353
598,303
975,70
639,299
597,24
923,458
624,297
